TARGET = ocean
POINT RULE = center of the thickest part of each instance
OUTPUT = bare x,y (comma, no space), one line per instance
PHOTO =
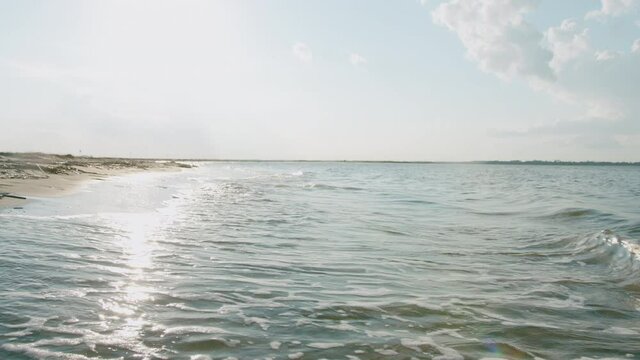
334,260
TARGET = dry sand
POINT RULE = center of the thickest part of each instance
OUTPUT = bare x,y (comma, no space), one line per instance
46,175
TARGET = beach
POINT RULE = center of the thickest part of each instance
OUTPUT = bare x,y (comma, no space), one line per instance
49,175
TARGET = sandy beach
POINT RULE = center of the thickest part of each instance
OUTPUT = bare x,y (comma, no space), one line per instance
47,175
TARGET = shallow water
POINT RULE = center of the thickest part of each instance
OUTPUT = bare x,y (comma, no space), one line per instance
328,260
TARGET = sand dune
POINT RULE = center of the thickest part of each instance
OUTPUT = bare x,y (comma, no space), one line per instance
38,174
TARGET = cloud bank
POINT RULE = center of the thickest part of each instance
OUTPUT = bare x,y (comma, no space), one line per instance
612,8
497,37
560,61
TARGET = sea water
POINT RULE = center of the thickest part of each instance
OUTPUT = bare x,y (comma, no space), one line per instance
257,260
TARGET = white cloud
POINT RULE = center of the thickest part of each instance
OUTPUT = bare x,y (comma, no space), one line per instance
302,52
566,42
635,47
612,8
606,55
357,60
497,37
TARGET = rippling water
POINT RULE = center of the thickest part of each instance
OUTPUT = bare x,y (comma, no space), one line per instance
328,260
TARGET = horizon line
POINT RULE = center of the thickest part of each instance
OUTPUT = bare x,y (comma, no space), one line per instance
497,162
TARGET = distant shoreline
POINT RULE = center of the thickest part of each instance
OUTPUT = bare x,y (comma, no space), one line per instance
541,162
49,175
479,162
181,160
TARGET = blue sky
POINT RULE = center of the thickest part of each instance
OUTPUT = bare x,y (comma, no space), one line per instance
435,80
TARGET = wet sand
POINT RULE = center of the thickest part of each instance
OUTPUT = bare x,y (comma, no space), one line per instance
47,175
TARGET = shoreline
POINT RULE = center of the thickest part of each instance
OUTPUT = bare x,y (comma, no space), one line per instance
46,175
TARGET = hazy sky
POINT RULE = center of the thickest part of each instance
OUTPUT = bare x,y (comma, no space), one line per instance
326,79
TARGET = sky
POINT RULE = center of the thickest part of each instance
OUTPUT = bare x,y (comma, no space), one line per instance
406,80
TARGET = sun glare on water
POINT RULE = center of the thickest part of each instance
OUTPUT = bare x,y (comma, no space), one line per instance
137,240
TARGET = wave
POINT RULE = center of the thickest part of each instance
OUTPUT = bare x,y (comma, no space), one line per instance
619,255
572,213
606,247
320,186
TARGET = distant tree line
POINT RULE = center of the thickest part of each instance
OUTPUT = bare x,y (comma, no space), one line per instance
558,162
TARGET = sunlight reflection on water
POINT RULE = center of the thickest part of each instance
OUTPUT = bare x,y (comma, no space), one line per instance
138,238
